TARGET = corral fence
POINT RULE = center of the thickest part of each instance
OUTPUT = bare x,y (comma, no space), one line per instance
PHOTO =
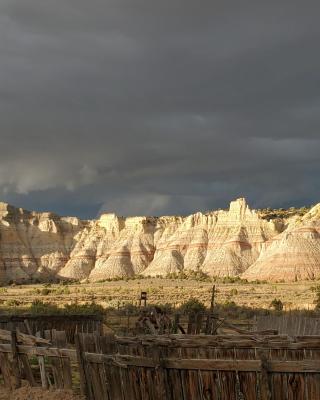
194,323
199,367
170,367
290,324
69,323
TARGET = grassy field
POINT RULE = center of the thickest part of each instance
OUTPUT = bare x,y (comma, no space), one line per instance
298,295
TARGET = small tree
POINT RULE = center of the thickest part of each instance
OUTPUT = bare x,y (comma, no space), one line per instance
193,305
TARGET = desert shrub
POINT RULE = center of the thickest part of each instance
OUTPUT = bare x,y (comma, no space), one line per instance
276,304
317,299
62,290
233,292
258,282
230,279
64,282
176,275
269,213
45,291
197,275
87,308
233,279
12,303
39,307
193,305
229,304
123,278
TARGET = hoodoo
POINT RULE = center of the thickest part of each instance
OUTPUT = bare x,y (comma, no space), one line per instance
239,241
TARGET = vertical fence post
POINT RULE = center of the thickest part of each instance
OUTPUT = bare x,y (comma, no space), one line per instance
15,359
42,367
265,389
161,375
212,298
81,363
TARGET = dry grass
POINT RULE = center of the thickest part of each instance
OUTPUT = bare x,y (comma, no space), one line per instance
28,393
298,295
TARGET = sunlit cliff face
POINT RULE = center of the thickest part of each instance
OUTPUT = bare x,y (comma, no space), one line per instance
43,246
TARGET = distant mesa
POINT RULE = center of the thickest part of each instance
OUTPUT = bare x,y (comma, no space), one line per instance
254,244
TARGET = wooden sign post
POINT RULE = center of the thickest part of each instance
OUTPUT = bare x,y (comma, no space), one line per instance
143,297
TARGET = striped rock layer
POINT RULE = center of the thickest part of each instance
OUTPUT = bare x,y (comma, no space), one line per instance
44,246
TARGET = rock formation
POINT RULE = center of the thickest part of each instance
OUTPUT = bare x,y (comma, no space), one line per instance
220,243
43,246
292,255
34,245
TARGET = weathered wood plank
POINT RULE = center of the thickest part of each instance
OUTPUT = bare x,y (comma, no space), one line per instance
302,366
81,365
15,359
7,371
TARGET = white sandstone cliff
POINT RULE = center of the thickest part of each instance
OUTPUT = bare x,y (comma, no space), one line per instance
294,254
44,246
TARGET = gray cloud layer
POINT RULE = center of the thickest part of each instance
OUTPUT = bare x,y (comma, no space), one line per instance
145,107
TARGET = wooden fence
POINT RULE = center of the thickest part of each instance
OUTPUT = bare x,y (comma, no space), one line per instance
208,323
290,324
199,367
70,324
173,367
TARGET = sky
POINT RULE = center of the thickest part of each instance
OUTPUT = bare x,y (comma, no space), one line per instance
145,107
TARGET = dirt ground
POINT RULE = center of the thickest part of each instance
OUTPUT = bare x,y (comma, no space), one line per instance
27,393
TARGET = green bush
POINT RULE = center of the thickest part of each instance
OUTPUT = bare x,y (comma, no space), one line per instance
39,307
197,275
87,308
193,305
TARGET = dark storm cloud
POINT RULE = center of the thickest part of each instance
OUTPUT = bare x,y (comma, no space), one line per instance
145,107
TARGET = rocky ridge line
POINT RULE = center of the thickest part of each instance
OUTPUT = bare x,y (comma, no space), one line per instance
240,241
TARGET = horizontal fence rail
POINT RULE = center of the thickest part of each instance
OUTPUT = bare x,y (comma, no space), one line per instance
71,324
170,367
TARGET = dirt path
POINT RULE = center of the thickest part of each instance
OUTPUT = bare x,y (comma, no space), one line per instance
27,393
